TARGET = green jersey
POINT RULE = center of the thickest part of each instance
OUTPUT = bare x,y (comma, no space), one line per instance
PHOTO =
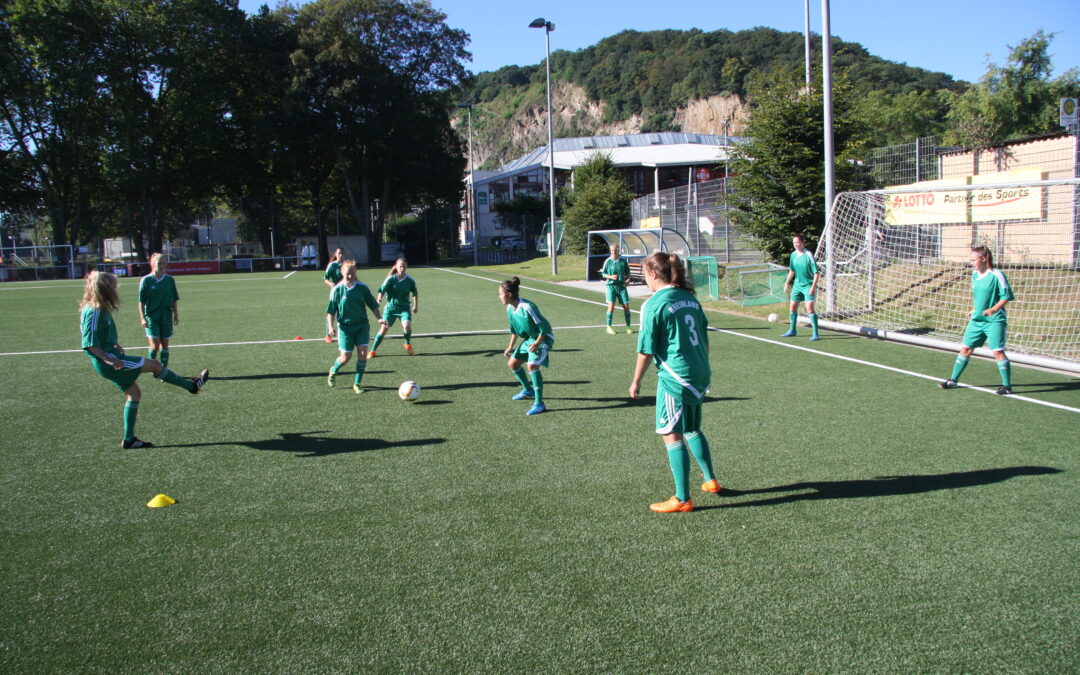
527,322
397,290
347,304
98,330
987,290
157,294
674,331
333,272
804,267
620,268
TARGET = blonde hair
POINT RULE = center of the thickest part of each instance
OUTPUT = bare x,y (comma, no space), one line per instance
347,265
984,252
99,292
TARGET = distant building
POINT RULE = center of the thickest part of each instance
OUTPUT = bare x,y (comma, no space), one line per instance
650,162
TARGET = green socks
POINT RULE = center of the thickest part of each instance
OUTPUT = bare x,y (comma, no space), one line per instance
522,378
164,358
699,448
607,315
361,365
174,379
538,385
153,353
680,469
336,367
813,322
408,337
626,315
793,321
1005,370
958,367
131,411
375,343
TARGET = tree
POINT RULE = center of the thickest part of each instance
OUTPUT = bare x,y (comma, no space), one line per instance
525,212
1017,99
779,184
600,200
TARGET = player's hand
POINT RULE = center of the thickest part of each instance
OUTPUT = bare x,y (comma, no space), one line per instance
114,362
176,320
635,389
384,322
142,321
988,312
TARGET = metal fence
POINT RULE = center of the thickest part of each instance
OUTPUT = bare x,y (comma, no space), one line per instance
698,213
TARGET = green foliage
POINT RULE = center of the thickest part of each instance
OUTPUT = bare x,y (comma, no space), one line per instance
525,213
1014,100
600,200
779,181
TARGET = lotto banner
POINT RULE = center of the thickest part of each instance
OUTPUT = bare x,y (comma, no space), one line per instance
921,207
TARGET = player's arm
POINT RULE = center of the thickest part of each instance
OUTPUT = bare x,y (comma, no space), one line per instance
326,280
331,325
142,314
510,347
175,312
415,302
789,280
106,357
640,366
813,285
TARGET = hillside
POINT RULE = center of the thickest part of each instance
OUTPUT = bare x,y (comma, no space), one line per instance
636,82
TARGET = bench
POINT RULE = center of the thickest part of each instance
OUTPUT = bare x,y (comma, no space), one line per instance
635,273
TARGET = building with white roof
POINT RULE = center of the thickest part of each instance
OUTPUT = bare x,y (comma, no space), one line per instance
651,162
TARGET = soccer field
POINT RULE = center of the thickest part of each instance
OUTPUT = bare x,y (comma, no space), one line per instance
870,521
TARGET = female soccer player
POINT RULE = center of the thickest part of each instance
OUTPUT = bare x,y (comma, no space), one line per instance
397,288
528,323
990,291
674,334
332,275
99,341
158,308
617,271
801,283
346,308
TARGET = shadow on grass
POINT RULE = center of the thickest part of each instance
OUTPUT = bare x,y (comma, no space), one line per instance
307,444
883,486
346,371
622,402
1039,387
486,353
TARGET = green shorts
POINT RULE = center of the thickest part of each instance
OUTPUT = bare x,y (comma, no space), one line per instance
618,294
126,376
992,333
676,415
389,315
801,294
159,326
353,336
539,357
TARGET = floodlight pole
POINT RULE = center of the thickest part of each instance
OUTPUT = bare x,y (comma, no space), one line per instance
826,90
471,206
552,241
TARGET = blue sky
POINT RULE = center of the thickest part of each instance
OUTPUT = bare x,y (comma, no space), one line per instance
952,36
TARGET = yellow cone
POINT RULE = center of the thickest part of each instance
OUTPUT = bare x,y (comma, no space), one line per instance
160,500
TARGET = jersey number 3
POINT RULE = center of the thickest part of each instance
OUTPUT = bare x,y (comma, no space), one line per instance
692,326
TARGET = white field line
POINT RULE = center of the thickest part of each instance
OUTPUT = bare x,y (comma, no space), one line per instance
491,331
814,351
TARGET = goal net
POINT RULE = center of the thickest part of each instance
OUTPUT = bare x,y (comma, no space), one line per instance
898,260
756,284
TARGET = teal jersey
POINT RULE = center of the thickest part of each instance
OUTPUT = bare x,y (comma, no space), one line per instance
348,303
618,267
397,291
333,272
98,330
804,267
988,290
675,332
527,322
157,295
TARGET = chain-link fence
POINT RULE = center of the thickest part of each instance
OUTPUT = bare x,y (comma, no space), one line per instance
698,213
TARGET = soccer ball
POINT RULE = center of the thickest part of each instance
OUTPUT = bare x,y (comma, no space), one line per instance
773,318
408,391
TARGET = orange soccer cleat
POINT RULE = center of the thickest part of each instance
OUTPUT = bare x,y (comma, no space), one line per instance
712,486
673,505
408,349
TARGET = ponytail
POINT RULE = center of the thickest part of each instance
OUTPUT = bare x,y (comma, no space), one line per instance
510,287
984,251
669,268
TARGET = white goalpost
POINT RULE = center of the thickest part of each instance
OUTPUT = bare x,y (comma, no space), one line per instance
895,264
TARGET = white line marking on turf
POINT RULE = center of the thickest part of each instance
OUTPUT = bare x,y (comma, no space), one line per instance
289,274
490,331
806,349
531,288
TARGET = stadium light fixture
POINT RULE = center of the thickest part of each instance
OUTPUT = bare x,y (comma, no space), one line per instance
548,27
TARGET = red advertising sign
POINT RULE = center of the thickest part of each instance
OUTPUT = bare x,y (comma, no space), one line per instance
195,267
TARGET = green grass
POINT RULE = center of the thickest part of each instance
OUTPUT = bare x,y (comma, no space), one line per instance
874,522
